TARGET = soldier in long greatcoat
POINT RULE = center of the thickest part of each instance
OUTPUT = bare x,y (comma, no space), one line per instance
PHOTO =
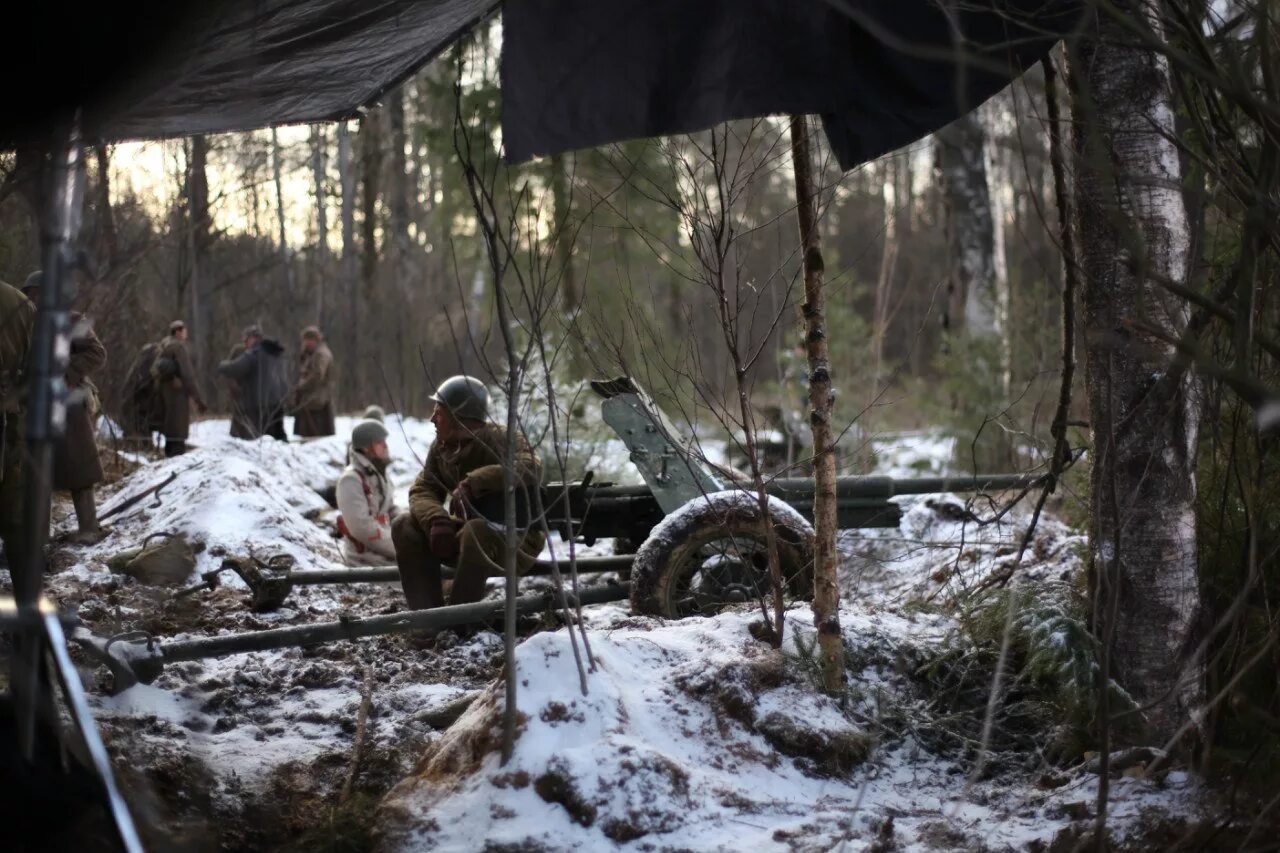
17,322
76,466
178,388
313,395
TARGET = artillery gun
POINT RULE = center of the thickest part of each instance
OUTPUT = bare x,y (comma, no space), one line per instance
704,545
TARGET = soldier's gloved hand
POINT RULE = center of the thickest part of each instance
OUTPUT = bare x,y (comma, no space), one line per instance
463,495
443,539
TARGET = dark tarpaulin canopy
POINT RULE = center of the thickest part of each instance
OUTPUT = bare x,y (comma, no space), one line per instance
881,73
162,68
575,73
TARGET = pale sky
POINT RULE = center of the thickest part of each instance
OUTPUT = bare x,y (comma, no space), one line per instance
153,172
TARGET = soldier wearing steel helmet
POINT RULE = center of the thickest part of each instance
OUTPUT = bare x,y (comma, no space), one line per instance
455,505
366,504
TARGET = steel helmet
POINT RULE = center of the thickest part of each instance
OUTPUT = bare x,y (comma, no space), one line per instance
368,433
464,396
374,413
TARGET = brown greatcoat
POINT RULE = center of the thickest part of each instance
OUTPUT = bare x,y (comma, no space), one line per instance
179,391
313,395
75,456
17,321
478,458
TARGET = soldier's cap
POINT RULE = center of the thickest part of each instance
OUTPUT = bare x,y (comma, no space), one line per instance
312,332
36,279
176,325
253,330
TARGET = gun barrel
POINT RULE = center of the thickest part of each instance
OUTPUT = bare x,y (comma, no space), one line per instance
978,483
353,628
390,574
882,488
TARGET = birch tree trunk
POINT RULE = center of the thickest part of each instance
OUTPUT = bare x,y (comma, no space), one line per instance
977,338
826,596
997,179
971,284
319,170
1131,218
350,277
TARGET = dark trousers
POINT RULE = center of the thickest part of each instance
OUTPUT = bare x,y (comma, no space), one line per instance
174,446
275,429
12,498
480,550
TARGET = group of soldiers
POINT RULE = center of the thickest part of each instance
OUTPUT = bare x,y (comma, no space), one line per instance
455,504
161,388
454,513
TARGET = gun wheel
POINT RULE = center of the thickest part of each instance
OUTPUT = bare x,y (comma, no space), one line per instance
713,552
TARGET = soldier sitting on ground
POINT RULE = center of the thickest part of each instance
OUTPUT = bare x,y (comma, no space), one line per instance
366,505
76,466
465,468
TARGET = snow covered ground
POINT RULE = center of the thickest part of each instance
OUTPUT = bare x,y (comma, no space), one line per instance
692,736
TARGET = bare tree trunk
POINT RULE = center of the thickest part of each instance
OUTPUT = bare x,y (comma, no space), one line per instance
401,259
562,201
277,169
1143,488
972,280
888,265
319,169
350,279
826,594
198,243
562,235
105,247
370,169
997,175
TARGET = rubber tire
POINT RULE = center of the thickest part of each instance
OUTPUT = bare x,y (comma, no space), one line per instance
651,582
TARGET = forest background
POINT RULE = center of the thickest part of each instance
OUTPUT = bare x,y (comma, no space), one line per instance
366,229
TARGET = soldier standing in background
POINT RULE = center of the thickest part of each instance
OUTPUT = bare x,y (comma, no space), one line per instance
313,395
178,389
76,466
239,426
262,383
140,412
17,321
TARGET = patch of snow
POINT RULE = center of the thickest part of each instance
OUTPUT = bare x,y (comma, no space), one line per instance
920,453
646,755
